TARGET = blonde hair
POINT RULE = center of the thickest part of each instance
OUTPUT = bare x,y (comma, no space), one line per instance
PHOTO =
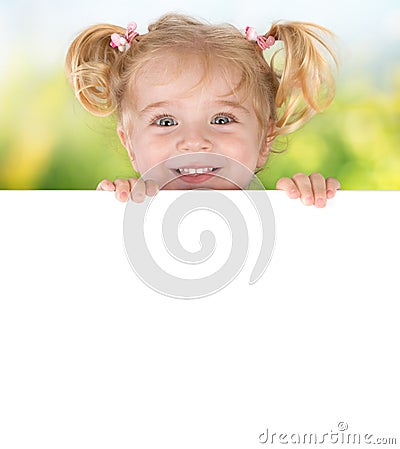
289,96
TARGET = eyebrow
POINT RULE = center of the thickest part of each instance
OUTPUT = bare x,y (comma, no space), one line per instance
233,104
157,104
160,104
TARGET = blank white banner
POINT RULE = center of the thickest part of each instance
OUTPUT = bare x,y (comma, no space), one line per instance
92,357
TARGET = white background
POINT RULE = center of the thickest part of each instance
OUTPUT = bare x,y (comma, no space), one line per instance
92,358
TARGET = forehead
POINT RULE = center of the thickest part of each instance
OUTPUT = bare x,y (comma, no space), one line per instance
172,76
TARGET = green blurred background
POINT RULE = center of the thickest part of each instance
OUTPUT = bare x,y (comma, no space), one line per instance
47,140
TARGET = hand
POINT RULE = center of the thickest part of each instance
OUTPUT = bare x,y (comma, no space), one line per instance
136,188
313,189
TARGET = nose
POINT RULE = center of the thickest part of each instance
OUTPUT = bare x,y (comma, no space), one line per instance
194,139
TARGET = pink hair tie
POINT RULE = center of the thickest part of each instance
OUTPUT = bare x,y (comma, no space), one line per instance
262,41
123,43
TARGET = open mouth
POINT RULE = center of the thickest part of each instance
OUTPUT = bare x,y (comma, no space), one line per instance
197,166
196,171
196,175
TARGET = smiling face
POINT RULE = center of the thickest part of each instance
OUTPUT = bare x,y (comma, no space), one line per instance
191,131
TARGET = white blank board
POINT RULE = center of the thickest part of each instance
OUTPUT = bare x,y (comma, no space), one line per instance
91,357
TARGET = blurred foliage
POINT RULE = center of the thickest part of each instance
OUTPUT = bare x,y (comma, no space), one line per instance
47,140
356,140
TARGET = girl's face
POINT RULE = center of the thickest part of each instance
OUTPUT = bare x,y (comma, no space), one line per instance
187,135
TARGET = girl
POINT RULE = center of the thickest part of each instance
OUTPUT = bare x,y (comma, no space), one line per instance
198,105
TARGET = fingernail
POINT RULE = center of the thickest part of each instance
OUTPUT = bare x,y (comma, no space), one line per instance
308,201
294,193
123,196
320,202
138,197
153,191
329,193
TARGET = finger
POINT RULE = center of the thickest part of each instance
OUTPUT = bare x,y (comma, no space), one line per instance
151,187
319,189
123,189
138,189
332,185
289,187
303,184
106,185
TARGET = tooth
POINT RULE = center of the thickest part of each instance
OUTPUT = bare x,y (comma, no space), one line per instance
195,170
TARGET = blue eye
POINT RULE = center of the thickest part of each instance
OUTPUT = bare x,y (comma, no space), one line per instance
221,120
166,121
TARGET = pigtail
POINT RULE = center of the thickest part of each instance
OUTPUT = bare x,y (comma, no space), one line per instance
91,65
306,82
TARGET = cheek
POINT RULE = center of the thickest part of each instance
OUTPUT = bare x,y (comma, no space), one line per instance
149,154
249,161
244,150
148,160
